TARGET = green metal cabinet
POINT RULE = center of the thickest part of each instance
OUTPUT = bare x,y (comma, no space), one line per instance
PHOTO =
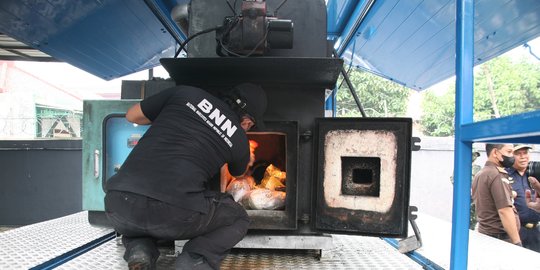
94,156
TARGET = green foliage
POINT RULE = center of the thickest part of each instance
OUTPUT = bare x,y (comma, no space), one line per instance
438,117
515,88
379,97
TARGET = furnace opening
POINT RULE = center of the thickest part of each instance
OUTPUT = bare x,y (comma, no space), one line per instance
265,185
361,176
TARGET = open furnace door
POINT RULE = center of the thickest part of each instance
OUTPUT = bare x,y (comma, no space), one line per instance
363,175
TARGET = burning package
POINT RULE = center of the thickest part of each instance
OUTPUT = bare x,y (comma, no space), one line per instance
264,199
269,195
274,179
239,187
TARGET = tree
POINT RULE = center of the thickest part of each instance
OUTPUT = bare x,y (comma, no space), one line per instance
516,88
501,88
438,117
379,97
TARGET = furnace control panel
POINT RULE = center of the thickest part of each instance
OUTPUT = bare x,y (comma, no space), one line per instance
120,138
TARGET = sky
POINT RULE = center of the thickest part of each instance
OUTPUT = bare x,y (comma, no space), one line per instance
86,85
516,53
81,82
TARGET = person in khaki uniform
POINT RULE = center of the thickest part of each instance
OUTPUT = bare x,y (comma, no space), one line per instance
493,196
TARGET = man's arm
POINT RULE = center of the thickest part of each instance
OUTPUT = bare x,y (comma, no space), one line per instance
146,111
136,115
250,163
509,223
225,177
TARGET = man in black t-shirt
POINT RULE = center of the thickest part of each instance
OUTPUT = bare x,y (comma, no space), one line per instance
160,191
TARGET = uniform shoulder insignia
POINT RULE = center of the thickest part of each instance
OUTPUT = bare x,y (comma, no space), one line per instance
501,169
504,179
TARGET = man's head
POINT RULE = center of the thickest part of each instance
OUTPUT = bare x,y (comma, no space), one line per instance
521,154
249,102
500,154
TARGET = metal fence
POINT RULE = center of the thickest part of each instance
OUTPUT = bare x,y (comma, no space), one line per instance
59,124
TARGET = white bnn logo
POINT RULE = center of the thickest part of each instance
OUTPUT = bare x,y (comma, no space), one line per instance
218,118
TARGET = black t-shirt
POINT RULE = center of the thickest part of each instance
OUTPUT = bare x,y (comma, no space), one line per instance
191,136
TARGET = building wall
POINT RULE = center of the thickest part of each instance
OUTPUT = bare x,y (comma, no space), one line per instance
40,180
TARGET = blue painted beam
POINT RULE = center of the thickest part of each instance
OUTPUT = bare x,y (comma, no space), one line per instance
463,148
74,253
523,127
415,256
162,11
338,15
348,33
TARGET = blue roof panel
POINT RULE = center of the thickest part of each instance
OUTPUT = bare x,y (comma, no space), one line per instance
413,42
108,38
409,41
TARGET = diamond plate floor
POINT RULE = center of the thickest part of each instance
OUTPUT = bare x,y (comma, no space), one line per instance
350,252
32,245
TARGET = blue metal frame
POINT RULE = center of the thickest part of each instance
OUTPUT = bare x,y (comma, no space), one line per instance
330,102
164,15
464,115
338,15
415,256
70,255
351,29
520,128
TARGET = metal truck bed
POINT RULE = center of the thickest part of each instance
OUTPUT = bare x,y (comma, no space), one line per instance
72,243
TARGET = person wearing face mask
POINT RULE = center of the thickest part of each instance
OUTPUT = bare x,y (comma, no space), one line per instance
493,196
530,231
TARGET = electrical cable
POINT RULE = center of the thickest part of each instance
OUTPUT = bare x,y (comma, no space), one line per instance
258,43
351,88
248,54
231,7
530,51
183,44
194,36
279,6
234,20
348,72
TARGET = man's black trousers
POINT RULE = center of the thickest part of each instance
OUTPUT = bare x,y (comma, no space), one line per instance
530,238
142,221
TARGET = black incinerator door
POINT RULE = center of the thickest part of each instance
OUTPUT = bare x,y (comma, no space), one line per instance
363,175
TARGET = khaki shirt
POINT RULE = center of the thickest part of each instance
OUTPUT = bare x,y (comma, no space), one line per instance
492,190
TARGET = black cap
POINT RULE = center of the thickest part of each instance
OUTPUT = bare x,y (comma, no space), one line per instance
252,99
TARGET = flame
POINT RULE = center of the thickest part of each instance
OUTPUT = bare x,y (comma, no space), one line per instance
253,145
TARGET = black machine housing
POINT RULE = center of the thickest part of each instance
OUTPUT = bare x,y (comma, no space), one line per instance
347,175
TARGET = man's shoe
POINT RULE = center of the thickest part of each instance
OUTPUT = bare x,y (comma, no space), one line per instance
186,262
140,260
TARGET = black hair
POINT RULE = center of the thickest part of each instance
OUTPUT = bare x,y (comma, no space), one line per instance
490,147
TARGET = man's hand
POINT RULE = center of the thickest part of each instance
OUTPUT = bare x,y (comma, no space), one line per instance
528,196
136,115
534,183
